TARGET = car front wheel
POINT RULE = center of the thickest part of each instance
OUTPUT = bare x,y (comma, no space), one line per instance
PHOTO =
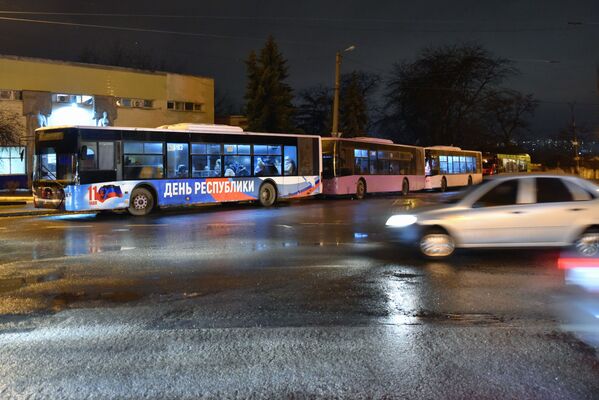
436,244
588,244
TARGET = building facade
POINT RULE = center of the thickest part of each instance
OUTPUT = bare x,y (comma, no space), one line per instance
51,93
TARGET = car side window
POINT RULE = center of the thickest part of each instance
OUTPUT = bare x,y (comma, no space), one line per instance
504,194
578,192
552,190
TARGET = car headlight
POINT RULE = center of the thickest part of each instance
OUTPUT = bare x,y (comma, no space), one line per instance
400,221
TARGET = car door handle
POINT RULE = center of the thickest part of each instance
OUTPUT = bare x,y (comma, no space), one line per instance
577,209
516,212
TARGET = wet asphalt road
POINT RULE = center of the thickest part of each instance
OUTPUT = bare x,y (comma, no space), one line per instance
304,300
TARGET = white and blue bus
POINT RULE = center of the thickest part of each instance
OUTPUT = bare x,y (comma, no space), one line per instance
81,168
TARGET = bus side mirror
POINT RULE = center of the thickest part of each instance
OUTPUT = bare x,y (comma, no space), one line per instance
22,154
83,153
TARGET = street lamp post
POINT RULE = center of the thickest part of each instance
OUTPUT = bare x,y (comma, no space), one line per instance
335,127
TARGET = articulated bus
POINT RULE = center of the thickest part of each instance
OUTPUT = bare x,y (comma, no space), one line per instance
95,168
361,165
447,166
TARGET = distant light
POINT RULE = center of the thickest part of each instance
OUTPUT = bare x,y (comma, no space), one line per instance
400,221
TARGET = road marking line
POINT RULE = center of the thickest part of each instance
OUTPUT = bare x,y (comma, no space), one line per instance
145,225
69,226
248,224
285,226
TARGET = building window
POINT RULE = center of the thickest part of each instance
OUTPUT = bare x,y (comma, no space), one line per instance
184,106
12,160
134,103
11,95
73,99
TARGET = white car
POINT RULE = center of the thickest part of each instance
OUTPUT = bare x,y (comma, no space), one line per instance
531,210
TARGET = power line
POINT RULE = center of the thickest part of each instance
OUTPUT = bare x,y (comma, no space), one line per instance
145,30
349,23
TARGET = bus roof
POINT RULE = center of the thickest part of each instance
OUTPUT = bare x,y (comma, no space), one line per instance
198,128
364,139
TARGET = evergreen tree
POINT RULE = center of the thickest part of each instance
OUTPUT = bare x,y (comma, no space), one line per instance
268,97
353,115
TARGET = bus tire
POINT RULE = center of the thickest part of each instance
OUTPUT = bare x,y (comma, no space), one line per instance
405,187
141,202
469,180
267,195
360,189
443,187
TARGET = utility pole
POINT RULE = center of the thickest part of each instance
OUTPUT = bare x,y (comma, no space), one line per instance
335,126
575,143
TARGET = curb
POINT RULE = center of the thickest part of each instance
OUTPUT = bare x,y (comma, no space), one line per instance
12,203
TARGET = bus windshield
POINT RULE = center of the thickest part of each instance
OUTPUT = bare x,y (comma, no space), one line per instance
51,165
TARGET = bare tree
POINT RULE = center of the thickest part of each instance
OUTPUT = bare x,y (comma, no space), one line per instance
11,128
508,112
439,98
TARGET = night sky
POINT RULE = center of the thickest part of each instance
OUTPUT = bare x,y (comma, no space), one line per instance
558,61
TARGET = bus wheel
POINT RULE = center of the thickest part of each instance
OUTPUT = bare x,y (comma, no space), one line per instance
360,189
443,184
469,180
267,195
405,187
141,202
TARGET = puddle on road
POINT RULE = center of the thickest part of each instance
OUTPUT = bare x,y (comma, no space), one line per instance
459,318
64,300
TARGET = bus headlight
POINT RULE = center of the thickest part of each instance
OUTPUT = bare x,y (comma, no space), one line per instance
400,221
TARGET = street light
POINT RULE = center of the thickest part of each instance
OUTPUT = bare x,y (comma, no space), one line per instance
335,127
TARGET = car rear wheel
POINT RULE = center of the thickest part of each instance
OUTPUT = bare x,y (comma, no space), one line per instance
436,244
141,202
588,244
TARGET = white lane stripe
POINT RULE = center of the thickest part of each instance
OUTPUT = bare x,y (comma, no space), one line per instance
69,226
144,225
285,226
225,224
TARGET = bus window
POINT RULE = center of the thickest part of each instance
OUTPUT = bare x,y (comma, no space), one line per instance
372,157
237,160
91,160
361,162
267,160
106,156
177,160
148,164
205,160
290,161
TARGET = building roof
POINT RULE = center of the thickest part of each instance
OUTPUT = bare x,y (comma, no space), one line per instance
94,66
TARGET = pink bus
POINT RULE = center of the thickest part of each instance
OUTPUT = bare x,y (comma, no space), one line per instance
368,165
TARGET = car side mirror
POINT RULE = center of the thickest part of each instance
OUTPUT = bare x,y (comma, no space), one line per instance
83,153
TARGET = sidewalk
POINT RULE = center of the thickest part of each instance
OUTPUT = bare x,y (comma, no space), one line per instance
19,205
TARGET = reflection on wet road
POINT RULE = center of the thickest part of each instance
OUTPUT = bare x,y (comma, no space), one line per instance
313,293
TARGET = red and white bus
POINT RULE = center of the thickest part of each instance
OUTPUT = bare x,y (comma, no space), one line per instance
368,165
447,166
